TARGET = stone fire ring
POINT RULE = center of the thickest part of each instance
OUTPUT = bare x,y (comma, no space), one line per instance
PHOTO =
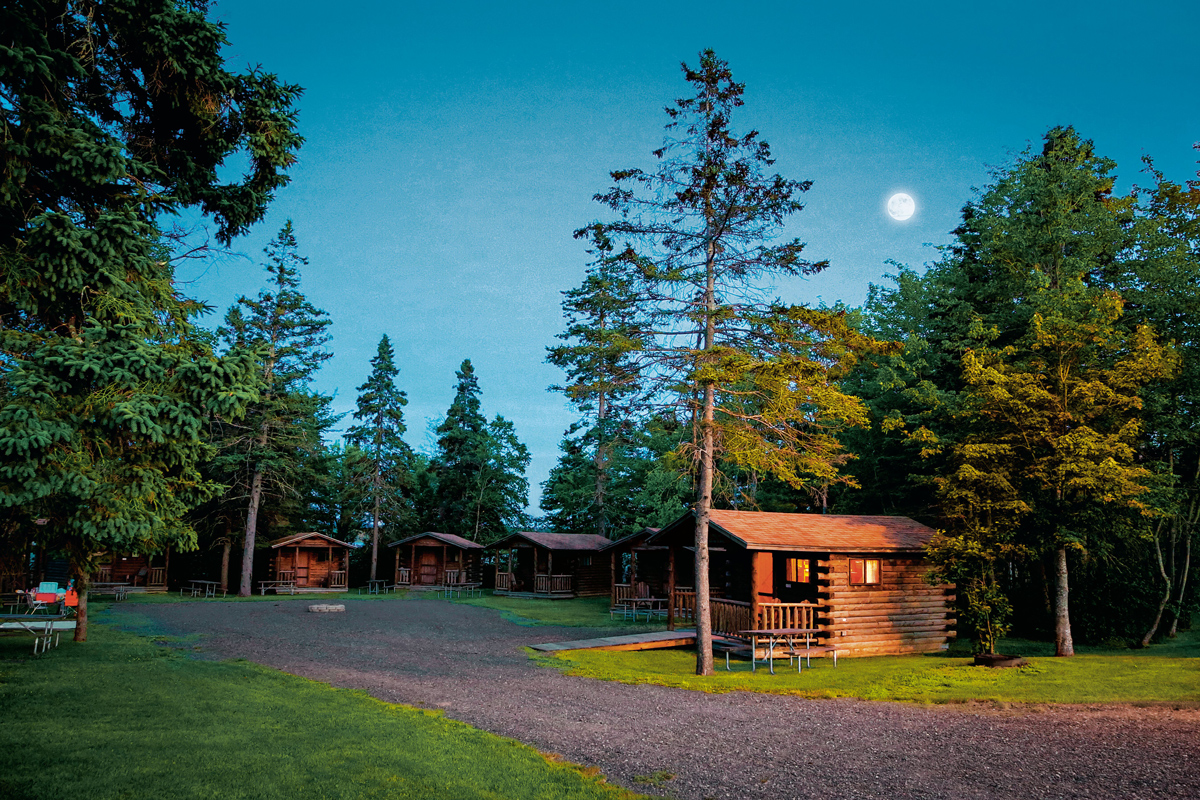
325,608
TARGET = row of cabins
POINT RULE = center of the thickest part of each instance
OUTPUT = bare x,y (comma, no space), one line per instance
864,577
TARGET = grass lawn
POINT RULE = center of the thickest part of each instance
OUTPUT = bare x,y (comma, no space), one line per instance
580,612
122,717
1168,674
176,597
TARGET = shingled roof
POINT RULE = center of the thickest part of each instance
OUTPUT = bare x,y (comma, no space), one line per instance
448,538
559,541
832,533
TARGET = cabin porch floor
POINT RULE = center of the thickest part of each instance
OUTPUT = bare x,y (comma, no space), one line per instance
653,640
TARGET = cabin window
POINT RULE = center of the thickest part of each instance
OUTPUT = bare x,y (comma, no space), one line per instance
322,556
585,561
864,571
797,570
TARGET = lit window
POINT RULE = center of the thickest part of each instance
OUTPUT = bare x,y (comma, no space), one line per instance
798,570
864,570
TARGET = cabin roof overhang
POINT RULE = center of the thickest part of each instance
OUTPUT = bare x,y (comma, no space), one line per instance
818,533
445,538
299,537
569,542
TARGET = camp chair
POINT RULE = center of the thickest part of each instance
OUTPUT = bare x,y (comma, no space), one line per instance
71,602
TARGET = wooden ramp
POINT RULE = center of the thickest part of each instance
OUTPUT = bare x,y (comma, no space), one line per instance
633,641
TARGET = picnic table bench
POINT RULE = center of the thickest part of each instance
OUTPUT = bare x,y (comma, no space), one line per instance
277,586
45,628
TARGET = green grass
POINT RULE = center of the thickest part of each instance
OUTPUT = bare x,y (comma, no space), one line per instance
121,718
1126,676
580,612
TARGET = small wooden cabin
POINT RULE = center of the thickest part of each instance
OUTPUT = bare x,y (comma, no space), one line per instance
437,559
540,564
864,574
146,572
311,560
638,568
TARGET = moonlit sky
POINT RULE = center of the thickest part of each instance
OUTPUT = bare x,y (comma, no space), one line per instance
453,148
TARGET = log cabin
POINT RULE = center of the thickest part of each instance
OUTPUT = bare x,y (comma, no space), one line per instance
141,572
862,577
553,565
637,568
437,559
311,560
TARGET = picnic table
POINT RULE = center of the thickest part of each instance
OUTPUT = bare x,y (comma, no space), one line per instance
774,637
205,588
650,604
377,585
45,628
119,591
277,586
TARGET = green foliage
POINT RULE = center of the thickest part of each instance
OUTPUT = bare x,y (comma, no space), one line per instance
387,458
114,114
277,450
478,473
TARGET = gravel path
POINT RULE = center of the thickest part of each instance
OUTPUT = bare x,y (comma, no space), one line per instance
469,662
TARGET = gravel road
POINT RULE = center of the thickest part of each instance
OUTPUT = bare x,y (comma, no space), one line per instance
468,661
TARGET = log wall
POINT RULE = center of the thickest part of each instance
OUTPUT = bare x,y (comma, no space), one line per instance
900,614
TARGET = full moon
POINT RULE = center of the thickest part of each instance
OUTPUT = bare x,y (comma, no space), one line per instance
901,206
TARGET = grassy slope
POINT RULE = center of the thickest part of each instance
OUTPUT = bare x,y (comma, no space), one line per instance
120,717
1169,674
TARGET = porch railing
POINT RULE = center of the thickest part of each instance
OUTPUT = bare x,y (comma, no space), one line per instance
337,579
158,576
787,615
728,616
451,576
403,576
104,575
504,581
287,575
551,584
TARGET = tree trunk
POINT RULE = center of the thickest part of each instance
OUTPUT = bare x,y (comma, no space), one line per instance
375,527
247,584
704,651
81,612
1063,646
226,551
1187,562
1162,570
601,465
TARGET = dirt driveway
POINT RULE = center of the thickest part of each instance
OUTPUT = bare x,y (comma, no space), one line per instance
468,661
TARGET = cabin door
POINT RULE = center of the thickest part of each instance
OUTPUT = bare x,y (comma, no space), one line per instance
301,566
427,574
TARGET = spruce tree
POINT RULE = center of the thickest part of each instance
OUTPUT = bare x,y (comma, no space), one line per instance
481,488
387,457
266,454
113,115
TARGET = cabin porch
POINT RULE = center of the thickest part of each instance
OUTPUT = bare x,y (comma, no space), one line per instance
528,571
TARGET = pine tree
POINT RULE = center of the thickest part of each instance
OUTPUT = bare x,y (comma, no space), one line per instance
753,376
283,429
602,341
388,458
115,114
481,488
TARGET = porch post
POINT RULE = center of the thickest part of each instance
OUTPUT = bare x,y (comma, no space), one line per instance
549,562
395,579
443,581
670,588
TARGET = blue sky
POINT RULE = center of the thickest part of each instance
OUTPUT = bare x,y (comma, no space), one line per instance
453,148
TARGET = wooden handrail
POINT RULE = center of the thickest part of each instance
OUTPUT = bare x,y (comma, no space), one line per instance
787,615
403,576
504,581
550,584
337,579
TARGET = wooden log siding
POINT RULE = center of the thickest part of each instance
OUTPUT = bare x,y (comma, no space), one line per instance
900,614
